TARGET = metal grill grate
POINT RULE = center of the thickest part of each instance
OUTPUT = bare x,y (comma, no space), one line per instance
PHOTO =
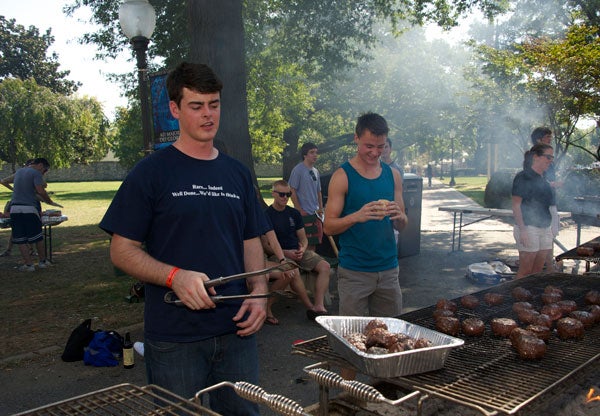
572,254
486,371
124,399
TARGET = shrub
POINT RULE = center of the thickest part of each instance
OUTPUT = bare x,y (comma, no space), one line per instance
498,190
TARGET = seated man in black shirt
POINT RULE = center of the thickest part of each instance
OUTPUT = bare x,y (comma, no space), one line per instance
289,228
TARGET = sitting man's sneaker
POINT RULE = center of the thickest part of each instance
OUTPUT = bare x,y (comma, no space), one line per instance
44,263
26,268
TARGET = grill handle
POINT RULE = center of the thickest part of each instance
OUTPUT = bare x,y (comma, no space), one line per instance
276,402
355,388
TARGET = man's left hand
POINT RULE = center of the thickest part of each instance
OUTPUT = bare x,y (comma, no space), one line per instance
397,215
257,309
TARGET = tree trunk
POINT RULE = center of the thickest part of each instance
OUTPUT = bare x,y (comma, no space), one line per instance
217,39
598,134
291,156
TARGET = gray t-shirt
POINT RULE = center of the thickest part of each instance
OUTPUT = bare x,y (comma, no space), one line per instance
26,179
307,184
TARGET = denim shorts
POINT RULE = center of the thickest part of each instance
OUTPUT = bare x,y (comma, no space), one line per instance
186,368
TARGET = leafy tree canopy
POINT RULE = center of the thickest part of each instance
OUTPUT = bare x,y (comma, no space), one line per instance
37,122
559,76
307,44
24,54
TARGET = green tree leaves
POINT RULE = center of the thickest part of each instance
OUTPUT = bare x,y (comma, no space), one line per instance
39,115
24,54
37,122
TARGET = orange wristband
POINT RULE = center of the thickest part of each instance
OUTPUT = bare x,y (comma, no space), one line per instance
171,276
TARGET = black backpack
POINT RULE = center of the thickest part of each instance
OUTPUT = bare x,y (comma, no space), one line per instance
78,340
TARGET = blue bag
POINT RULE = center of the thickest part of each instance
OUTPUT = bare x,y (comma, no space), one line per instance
104,350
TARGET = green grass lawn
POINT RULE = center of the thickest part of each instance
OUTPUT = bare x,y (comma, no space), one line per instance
40,309
471,186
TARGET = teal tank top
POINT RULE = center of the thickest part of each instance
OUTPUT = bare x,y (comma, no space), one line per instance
368,246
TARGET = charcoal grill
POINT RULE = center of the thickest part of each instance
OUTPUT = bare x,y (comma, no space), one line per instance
486,373
586,212
572,255
128,399
124,399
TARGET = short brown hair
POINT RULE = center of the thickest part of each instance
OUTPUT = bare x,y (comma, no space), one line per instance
306,147
196,77
537,149
280,182
538,133
375,123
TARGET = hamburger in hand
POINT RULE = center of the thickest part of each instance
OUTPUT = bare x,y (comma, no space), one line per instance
384,204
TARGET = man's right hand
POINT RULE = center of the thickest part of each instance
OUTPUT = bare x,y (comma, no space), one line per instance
293,254
374,210
524,237
189,287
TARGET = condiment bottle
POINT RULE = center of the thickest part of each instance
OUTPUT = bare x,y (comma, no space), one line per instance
128,358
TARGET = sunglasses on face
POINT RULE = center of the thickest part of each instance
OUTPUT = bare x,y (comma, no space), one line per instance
283,194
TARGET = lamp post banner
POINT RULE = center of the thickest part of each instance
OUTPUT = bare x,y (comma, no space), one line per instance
166,127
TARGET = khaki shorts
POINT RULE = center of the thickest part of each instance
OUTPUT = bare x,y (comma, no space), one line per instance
539,238
309,260
369,293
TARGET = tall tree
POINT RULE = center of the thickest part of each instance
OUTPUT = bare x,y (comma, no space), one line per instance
530,70
35,121
127,131
556,80
24,54
301,31
418,86
219,42
566,74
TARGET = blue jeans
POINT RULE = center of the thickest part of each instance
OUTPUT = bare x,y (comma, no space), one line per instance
186,368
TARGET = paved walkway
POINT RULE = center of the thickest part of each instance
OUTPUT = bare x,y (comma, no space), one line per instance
434,220
42,378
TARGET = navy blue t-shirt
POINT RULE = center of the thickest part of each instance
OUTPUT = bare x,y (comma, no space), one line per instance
194,214
537,197
285,224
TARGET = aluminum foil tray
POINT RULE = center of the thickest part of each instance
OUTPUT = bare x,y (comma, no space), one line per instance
388,365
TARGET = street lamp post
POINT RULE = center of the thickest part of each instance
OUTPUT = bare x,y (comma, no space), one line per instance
452,181
138,19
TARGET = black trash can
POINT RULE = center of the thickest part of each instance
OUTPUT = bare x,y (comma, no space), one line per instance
409,239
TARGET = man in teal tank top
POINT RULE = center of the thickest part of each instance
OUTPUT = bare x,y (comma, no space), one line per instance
364,202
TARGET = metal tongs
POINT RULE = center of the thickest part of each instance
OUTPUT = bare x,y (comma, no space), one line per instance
171,297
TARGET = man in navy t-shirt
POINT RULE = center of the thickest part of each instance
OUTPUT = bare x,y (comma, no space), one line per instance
186,214
289,228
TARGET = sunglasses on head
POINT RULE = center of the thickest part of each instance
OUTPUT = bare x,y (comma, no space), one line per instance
283,194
